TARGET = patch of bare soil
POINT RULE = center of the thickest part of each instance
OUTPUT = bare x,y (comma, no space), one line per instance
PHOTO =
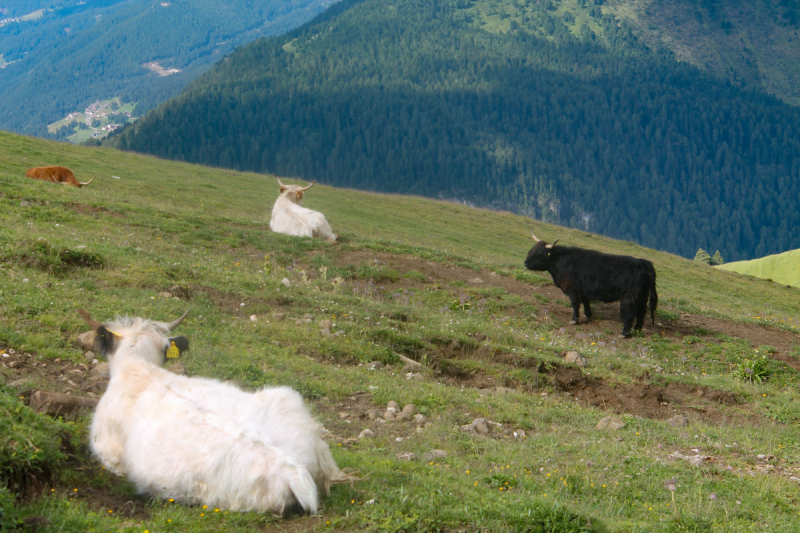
90,210
134,507
648,400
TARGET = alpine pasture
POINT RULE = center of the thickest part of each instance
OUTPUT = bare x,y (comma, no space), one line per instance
438,283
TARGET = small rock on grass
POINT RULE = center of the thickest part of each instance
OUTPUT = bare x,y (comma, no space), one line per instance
433,455
86,339
610,422
90,356
325,324
325,332
366,433
101,370
406,456
375,365
394,406
420,420
678,421
575,357
408,412
389,415
481,426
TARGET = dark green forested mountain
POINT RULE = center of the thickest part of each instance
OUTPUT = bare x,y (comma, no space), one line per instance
552,109
61,55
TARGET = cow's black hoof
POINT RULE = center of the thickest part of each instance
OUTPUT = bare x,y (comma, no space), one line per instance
624,336
573,322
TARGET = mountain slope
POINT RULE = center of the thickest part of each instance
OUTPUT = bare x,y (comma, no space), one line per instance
74,52
558,114
754,44
449,291
780,268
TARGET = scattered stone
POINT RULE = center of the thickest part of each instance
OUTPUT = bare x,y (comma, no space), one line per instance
366,433
375,365
339,333
678,421
20,384
410,364
420,419
406,456
90,356
694,460
55,404
343,415
308,316
86,340
101,370
765,457
286,282
176,367
389,415
299,322
610,422
412,375
407,413
24,203
481,426
325,332
393,405
278,316
520,434
575,357
504,390
325,324
165,294
372,414
476,280
433,455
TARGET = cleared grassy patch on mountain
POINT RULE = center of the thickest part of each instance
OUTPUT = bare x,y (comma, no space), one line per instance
780,268
440,283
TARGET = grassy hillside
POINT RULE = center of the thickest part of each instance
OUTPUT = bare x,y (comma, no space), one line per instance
754,44
780,268
549,109
76,52
440,283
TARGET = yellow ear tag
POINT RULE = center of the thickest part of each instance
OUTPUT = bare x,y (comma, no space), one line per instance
173,352
114,333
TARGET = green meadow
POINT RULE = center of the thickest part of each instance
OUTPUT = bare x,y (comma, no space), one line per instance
780,268
411,278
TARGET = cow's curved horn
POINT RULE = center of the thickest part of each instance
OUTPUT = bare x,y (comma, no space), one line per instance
94,324
86,183
280,183
309,186
534,236
175,323
551,245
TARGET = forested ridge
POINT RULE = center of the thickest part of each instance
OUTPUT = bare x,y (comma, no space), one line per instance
77,52
549,109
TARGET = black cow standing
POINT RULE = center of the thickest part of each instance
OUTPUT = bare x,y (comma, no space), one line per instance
586,275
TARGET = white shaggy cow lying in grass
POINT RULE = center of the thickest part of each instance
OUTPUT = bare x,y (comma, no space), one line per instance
291,218
199,440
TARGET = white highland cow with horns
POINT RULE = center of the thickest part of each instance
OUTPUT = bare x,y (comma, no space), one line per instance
201,441
291,218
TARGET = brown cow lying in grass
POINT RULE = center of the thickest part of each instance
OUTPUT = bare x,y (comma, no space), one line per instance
61,175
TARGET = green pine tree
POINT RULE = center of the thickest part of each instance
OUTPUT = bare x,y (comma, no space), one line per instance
702,257
717,259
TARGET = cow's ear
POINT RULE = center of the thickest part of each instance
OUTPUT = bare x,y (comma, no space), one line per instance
177,347
105,341
283,190
299,195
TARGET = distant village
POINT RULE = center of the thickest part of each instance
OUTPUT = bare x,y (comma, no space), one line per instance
95,121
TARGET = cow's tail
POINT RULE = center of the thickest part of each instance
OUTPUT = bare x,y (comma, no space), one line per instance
651,273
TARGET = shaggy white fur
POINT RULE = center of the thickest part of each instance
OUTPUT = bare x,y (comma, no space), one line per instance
291,218
203,441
